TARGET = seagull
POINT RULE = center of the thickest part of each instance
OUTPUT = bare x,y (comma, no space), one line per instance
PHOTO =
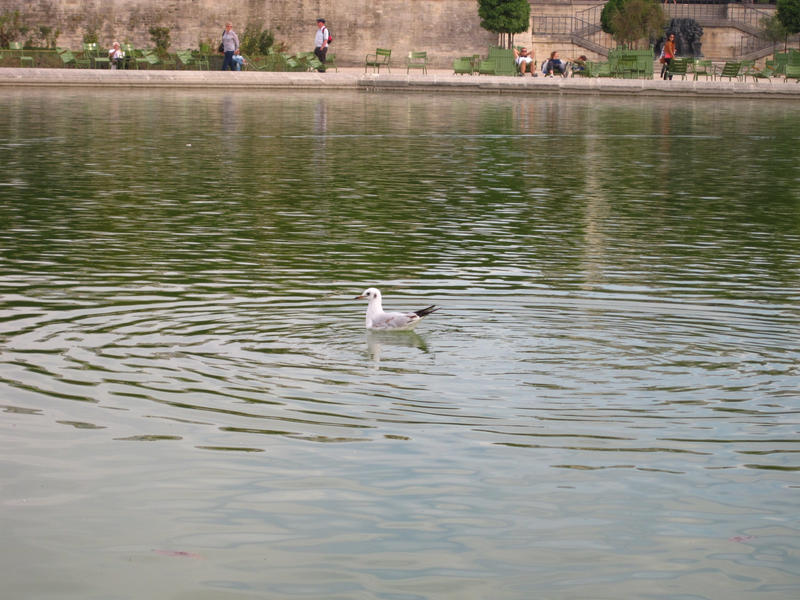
377,319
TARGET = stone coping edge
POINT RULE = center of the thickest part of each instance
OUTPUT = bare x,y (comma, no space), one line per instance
354,79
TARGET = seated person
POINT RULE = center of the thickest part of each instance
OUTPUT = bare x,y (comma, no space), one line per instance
579,64
524,61
238,61
116,56
554,64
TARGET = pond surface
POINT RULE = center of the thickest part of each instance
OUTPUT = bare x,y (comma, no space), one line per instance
606,405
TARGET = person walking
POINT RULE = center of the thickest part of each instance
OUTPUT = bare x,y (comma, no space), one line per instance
321,43
230,44
669,54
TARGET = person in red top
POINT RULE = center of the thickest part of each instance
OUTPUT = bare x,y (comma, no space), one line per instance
669,54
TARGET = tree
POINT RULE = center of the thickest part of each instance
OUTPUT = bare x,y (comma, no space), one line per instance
505,17
632,21
773,30
637,20
788,14
609,10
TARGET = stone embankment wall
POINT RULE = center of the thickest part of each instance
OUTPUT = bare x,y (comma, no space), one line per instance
446,29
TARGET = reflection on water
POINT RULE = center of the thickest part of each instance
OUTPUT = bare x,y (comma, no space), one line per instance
606,405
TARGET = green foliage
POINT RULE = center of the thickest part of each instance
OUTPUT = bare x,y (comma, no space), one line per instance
608,12
10,27
160,38
636,20
49,35
773,30
256,41
505,16
206,47
788,14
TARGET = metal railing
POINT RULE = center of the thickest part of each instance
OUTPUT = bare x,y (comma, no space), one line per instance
585,25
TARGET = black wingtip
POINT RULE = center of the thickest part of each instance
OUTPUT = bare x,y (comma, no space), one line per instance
426,311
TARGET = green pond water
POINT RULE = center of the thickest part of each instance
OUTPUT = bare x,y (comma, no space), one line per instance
606,406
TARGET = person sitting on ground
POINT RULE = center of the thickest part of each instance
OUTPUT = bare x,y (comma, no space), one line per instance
524,61
115,56
554,64
238,61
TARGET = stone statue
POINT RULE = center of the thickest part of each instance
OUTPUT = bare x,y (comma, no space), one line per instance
687,37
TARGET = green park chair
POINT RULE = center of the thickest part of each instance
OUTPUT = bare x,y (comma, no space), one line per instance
67,59
704,68
201,61
746,69
381,58
487,66
730,70
417,60
627,67
504,61
678,66
17,48
793,72
131,60
462,66
330,62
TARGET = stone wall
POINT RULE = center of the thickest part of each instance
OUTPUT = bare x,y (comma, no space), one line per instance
446,29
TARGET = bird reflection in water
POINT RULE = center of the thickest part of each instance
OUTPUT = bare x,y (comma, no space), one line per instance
377,341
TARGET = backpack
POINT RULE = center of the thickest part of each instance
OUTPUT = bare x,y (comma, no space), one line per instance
330,37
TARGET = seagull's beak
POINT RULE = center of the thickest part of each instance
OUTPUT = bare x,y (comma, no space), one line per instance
361,297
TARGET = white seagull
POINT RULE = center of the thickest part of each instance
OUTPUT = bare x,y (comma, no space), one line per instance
377,319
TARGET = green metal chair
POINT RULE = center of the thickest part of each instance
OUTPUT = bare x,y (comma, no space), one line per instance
730,70
381,58
330,62
417,60
67,59
678,66
627,67
486,66
131,60
793,72
768,72
504,61
746,69
600,69
24,61
704,68
462,66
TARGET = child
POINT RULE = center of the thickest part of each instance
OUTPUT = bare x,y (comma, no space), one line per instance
238,61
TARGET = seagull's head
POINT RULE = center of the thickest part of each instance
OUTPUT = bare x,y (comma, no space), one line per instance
370,294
